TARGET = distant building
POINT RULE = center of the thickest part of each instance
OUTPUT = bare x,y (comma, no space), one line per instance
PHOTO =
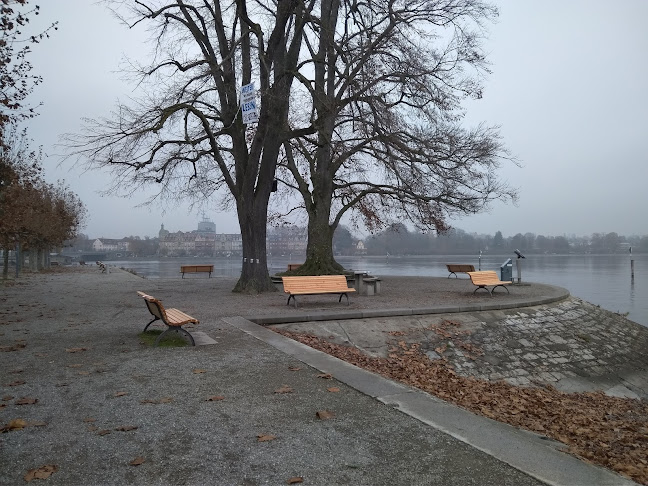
106,244
206,226
201,242
292,239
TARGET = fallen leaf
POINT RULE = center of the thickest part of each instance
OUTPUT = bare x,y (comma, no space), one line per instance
16,383
333,389
75,365
36,423
15,424
84,373
325,415
120,394
326,376
126,428
26,401
284,389
216,398
294,368
16,371
295,480
137,461
89,420
6,398
103,432
75,350
3,405
265,438
145,401
198,371
42,472
166,400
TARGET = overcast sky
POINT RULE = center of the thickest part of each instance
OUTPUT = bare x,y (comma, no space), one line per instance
569,88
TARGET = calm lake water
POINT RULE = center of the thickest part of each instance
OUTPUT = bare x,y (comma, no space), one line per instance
600,279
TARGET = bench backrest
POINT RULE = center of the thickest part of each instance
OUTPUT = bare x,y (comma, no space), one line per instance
460,267
484,277
314,283
154,305
196,268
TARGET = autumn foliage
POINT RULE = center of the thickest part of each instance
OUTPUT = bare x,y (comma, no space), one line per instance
609,431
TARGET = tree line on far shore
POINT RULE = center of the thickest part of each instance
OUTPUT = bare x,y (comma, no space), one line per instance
398,240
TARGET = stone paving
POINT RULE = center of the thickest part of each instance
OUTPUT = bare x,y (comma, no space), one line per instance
572,344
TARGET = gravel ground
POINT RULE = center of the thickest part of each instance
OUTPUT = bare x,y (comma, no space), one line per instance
93,399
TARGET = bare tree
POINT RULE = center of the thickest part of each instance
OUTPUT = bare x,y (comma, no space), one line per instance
16,79
381,133
186,134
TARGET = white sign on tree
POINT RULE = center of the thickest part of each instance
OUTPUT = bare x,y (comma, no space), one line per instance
248,104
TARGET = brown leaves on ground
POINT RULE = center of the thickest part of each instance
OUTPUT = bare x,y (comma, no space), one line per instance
14,347
75,350
16,383
216,398
284,389
139,460
198,371
325,415
265,438
126,428
27,401
156,402
295,480
42,472
609,431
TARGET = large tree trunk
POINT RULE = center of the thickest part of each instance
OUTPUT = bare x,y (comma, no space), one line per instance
254,272
5,263
319,249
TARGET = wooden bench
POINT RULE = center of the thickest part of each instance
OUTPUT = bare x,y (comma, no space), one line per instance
196,269
314,285
173,318
453,268
485,279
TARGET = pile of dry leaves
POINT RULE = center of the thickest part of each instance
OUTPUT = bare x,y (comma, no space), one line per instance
609,431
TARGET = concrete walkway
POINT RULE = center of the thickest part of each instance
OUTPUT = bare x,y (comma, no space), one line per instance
242,411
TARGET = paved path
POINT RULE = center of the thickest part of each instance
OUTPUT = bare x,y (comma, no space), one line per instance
69,341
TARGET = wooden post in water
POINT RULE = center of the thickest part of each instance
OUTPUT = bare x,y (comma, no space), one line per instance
631,266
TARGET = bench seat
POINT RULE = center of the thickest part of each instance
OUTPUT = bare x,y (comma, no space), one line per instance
173,318
314,285
485,279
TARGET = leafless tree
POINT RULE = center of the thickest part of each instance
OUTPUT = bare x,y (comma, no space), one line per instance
186,133
16,78
380,119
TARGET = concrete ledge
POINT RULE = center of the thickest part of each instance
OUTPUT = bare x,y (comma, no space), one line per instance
330,315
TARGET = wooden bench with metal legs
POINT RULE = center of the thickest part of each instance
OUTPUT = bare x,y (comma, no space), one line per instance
485,279
316,284
173,318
